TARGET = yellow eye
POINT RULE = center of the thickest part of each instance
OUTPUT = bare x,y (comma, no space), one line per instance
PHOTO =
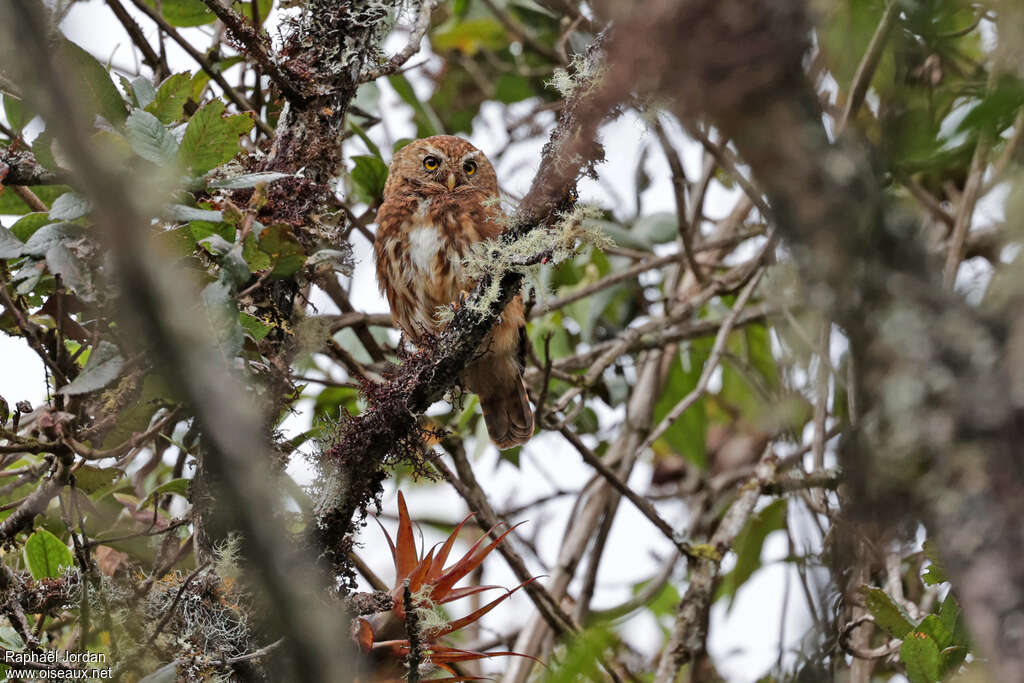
469,167
431,163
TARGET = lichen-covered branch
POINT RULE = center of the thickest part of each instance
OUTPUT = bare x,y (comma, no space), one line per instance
389,427
21,168
257,46
687,639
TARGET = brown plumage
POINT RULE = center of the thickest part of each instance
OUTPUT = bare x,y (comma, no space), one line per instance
441,197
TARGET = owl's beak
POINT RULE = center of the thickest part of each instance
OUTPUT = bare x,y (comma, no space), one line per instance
451,182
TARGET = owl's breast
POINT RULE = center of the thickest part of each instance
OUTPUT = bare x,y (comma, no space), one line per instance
420,263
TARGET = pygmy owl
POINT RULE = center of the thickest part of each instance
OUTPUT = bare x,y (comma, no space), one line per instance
441,196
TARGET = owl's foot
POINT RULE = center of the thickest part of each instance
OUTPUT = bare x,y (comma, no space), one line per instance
463,295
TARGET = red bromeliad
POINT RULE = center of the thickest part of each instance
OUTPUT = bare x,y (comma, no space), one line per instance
383,637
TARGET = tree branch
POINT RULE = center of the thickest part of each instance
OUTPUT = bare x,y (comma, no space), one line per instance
419,29
239,99
687,637
256,45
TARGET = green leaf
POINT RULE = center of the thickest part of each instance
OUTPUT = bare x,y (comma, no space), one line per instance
687,435
234,266
469,36
29,276
222,315
10,640
997,109
510,455
165,674
368,178
212,138
180,212
426,119
17,113
581,658
103,367
69,206
240,182
91,83
361,134
254,328
657,228
749,377
664,604
936,573
144,91
27,225
748,546
245,8
175,486
46,555
185,13
619,235
150,139
936,630
138,414
286,254
511,88
171,96
12,204
327,409
10,246
91,479
958,647
338,260
43,239
42,148
920,655
887,614
61,260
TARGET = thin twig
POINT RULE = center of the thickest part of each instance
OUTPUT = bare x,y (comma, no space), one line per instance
521,33
238,98
412,633
965,210
679,188
255,44
642,504
868,64
412,46
709,366
688,632
134,31
174,603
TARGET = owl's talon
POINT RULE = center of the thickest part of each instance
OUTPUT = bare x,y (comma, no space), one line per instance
463,295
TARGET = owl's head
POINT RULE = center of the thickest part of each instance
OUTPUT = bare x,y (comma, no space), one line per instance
442,163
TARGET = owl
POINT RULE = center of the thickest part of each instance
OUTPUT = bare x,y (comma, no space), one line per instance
441,196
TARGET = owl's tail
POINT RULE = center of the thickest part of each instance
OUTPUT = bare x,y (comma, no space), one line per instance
505,405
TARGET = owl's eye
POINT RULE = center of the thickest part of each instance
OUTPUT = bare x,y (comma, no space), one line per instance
469,167
431,163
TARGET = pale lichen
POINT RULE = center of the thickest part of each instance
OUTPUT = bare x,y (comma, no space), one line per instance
579,78
529,253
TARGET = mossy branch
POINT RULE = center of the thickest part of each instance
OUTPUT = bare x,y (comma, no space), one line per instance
388,430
